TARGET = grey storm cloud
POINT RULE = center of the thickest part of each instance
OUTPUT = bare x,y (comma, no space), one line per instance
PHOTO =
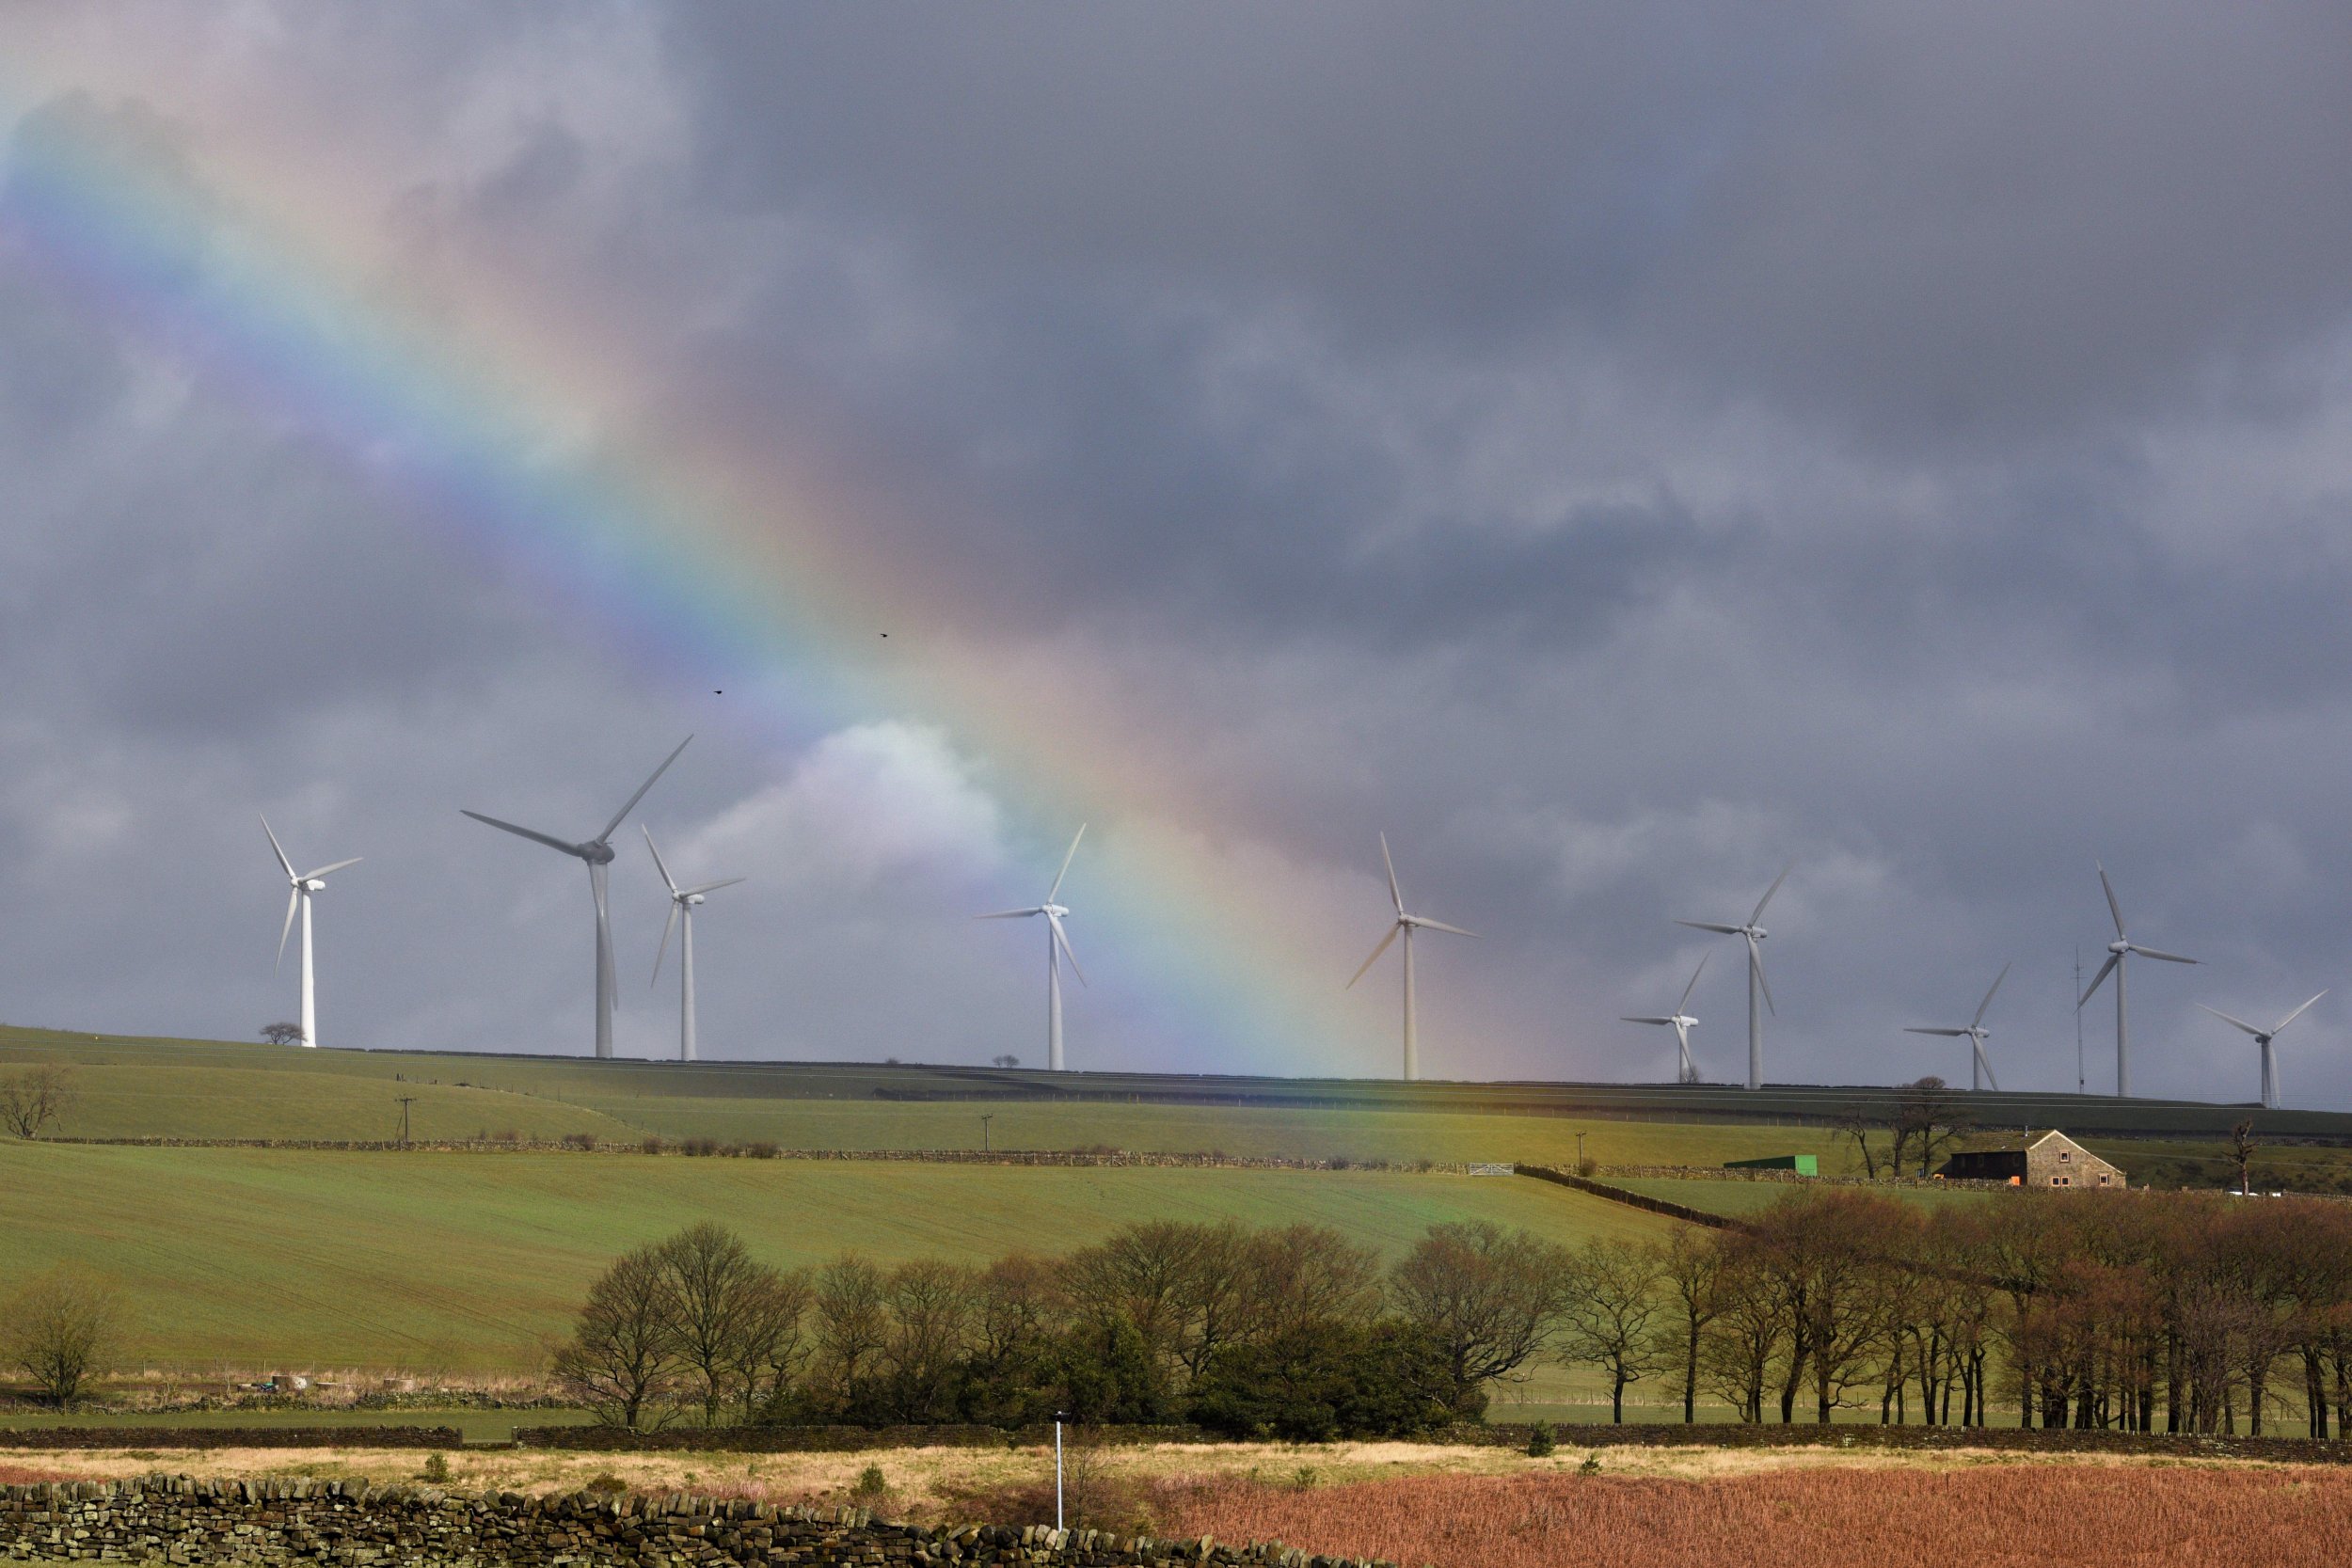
1617,451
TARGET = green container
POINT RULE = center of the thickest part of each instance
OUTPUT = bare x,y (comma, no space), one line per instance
1803,1165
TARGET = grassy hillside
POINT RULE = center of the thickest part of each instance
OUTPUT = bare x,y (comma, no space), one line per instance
469,1261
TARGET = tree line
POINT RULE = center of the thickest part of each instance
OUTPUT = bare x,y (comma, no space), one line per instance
2140,1311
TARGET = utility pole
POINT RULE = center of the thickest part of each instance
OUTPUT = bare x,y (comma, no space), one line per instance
1580,1154
405,1100
984,1121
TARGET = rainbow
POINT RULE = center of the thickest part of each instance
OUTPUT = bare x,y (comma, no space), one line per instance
491,424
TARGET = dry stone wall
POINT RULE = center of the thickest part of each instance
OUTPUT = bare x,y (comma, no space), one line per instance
175,1519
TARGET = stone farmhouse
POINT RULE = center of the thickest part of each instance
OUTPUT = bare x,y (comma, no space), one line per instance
2034,1160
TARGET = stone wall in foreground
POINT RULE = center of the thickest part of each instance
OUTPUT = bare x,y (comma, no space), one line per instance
178,1520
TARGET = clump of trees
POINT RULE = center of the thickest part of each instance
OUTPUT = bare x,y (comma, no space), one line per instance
2138,1311
1291,1331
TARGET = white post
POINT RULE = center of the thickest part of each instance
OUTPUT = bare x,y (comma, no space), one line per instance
310,991
1057,1471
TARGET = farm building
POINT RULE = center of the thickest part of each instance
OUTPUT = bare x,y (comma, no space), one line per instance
2034,1160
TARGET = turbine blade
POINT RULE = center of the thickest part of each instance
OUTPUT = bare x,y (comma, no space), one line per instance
1065,863
1441,926
667,881
1684,1005
293,901
1988,995
619,816
1949,1034
2113,907
532,834
337,866
711,887
1395,896
1629,1017
1708,926
1755,962
1770,891
2241,1023
2297,1013
1061,938
2162,957
1008,915
1986,1062
664,951
1376,956
2097,980
280,848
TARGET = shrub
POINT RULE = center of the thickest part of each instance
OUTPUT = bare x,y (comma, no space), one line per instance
870,1482
652,1144
762,1149
1540,1443
607,1483
579,1140
1326,1381
436,1469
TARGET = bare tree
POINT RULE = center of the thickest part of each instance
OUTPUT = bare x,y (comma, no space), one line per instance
1691,1267
282,1033
1610,1306
1930,1115
1856,1125
773,1345
1302,1275
852,1324
2243,1148
30,1099
59,1331
1178,1281
1493,1297
716,1290
930,1306
622,1356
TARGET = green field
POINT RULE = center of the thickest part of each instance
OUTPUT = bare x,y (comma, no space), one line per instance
474,1262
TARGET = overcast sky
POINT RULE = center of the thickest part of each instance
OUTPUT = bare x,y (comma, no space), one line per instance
1616,450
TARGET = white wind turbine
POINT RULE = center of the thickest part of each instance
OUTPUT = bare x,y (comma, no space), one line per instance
1056,949
302,884
2261,1038
597,853
1754,934
2120,949
1407,924
1979,1068
1682,1023
682,902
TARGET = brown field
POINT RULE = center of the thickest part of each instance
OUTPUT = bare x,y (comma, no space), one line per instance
2026,1516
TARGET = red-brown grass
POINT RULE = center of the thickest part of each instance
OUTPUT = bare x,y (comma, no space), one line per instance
2011,1517
19,1474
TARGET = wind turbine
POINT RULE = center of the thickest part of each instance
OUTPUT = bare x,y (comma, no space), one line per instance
1979,1068
2120,948
1754,934
302,884
2261,1038
1056,949
597,853
682,902
1682,1023
1407,924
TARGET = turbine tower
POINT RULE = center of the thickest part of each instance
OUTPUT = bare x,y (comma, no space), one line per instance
302,885
2120,949
1407,924
1681,1021
1979,1068
1753,934
1056,949
682,902
2261,1038
597,853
